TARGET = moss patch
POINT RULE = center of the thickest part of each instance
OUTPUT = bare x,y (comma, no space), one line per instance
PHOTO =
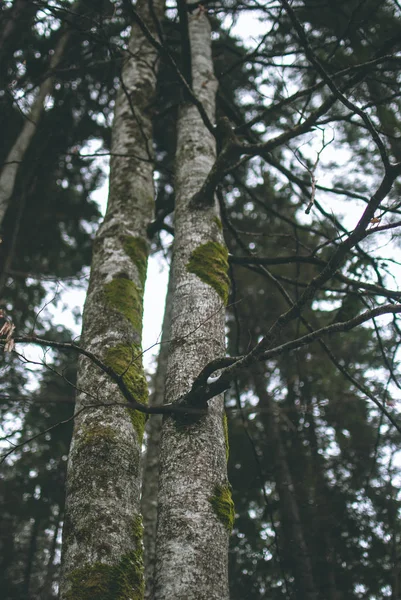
137,530
98,433
225,430
138,420
91,581
122,581
127,361
223,506
123,295
130,570
137,250
218,222
210,263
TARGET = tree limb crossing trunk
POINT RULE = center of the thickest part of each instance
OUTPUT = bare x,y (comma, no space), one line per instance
195,507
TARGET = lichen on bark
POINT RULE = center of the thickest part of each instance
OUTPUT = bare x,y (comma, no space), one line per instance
223,506
127,361
210,263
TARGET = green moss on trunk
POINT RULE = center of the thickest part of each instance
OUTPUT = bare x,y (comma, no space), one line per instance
97,434
122,581
223,506
127,361
137,250
225,429
218,222
91,581
123,296
210,263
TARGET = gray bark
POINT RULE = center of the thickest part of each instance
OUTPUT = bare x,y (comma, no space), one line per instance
16,155
102,538
195,507
150,476
296,547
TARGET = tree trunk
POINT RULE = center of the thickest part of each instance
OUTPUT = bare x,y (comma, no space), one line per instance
47,588
294,539
21,10
389,123
16,154
195,507
150,477
32,546
321,514
102,541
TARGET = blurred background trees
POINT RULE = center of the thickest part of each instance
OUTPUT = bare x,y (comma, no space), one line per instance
313,463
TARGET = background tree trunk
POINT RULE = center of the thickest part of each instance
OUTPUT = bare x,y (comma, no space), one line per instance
150,477
16,154
21,12
33,541
295,547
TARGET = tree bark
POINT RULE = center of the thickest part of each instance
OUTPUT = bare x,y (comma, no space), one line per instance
295,545
47,591
20,12
102,538
195,507
16,155
32,546
320,511
150,477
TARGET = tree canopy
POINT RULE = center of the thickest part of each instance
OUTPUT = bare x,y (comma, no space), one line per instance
294,158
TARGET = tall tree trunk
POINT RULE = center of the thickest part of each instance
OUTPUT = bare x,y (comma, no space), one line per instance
320,512
389,123
16,155
102,542
392,518
47,589
33,542
7,251
195,507
150,476
295,545
22,11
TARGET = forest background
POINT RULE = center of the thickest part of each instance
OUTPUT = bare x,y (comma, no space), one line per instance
305,181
